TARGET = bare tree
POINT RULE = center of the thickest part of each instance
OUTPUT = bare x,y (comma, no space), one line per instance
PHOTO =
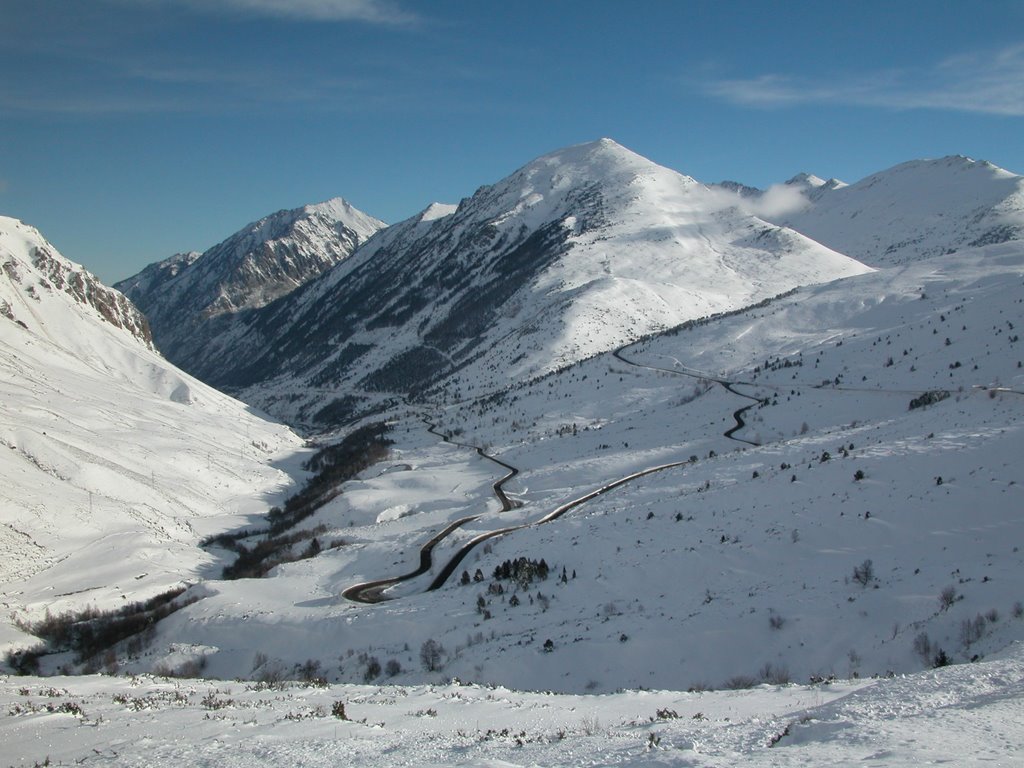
432,655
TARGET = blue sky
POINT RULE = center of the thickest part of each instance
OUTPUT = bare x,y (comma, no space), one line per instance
132,129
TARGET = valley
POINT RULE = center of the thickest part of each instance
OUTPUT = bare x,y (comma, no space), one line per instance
636,451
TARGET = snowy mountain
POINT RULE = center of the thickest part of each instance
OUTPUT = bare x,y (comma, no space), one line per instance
114,464
770,495
153,280
187,296
912,211
804,511
575,253
38,286
813,187
809,186
915,210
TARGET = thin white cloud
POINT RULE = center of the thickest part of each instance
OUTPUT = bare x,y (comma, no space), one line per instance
990,83
777,201
370,11
150,84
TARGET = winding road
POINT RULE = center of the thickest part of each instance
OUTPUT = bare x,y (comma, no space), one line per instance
498,487
373,591
729,385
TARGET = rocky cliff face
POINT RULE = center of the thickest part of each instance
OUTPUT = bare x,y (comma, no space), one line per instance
36,278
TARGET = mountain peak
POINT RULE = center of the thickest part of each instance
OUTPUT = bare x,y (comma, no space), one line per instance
575,253
601,156
258,264
948,164
808,179
579,181
336,207
38,285
436,211
341,210
918,209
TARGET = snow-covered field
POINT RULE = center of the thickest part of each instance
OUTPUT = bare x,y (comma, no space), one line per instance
960,715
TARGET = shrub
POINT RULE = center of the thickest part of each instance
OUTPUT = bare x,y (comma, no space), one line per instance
522,570
258,560
332,465
775,675
432,655
929,398
372,669
26,661
308,671
864,573
90,632
947,597
972,630
740,682
923,647
338,710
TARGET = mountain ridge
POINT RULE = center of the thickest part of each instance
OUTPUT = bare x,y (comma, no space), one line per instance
917,209
30,263
835,459
185,295
112,460
572,254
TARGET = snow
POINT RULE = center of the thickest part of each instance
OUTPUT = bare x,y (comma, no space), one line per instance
189,299
968,714
708,550
341,210
645,249
436,211
734,565
115,464
916,210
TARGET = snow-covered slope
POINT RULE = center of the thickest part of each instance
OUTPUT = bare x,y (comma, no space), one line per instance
742,559
113,463
37,284
573,254
826,483
915,210
184,296
965,715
